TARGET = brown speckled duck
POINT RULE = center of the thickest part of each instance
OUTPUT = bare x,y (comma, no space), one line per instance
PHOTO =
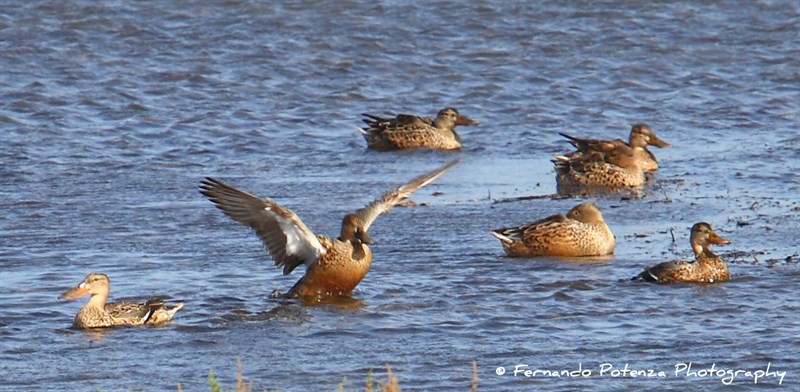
588,173
98,313
583,232
409,131
706,268
334,266
640,137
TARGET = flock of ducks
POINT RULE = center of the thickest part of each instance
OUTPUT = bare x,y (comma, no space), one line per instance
334,266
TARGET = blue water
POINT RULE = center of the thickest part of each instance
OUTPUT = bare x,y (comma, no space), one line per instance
111,112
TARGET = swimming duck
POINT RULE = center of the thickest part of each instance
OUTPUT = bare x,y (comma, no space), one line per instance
587,173
640,137
706,268
97,313
583,232
334,266
409,131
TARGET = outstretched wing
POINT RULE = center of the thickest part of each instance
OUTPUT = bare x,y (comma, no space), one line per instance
397,195
286,237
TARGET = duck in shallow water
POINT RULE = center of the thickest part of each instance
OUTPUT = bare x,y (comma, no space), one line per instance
640,137
409,131
589,173
706,268
334,266
583,232
98,313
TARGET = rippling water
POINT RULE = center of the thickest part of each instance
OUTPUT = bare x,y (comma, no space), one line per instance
111,112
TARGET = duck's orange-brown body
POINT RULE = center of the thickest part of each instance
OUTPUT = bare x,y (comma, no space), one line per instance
334,266
336,273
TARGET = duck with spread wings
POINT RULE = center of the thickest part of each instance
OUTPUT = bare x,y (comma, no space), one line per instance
334,266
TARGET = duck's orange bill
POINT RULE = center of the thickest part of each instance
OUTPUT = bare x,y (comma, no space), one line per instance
655,141
464,120
713,238
74,292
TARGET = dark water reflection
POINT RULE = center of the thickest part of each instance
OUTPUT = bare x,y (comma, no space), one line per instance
111,112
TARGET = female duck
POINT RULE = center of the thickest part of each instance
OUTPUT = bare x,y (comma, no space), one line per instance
583,232
97,313
409,131
640,137
707,267
591,172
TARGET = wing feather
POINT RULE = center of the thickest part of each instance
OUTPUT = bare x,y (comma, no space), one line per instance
388,200
509,234
654,273
286,237
402,123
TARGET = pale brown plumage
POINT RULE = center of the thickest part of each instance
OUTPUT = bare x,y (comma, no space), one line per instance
588,173
333,266
706,268
640,137
409,131
583,232
98,313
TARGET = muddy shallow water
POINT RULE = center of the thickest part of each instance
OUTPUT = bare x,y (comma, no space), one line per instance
111,113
